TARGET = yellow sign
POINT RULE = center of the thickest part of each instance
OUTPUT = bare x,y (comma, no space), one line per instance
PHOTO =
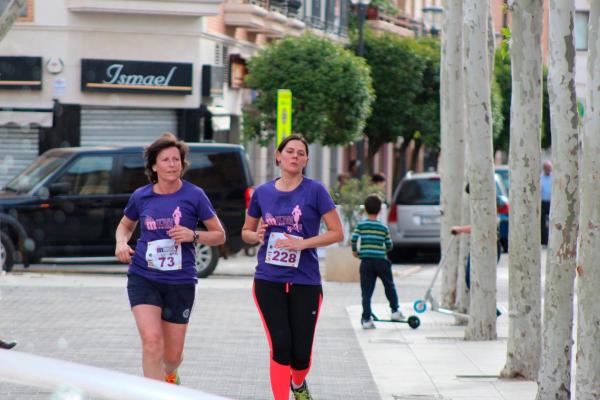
284,114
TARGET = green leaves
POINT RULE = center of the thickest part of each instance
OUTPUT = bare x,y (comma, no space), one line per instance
406,81
331,89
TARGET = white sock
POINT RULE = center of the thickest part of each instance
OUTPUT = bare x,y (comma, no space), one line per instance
297,386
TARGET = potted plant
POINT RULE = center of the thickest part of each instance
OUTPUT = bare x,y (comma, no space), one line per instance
340,264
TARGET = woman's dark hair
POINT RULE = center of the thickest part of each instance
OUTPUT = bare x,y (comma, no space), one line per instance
373,204
288,139
164,142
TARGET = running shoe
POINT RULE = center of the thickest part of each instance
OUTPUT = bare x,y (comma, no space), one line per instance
7,345
368,324
302,393
173,378
397,316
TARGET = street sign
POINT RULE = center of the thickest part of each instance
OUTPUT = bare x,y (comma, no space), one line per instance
284,114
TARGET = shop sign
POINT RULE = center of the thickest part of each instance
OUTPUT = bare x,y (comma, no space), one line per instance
136,76
21,73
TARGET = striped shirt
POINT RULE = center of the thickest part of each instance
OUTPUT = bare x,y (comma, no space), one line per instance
374,239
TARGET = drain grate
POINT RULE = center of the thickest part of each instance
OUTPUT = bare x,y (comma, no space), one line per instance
390,340
480,378
458,338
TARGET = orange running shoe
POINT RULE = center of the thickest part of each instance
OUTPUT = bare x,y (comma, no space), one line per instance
173,378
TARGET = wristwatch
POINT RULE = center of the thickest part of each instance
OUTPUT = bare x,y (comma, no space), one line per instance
196,238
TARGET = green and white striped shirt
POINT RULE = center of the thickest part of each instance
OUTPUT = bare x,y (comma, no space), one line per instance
374,239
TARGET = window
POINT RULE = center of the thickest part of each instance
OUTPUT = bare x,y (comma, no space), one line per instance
419,192
215,171
581,30
132,174
88,175
26,13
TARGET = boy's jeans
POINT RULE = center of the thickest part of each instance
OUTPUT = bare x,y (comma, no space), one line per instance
370,270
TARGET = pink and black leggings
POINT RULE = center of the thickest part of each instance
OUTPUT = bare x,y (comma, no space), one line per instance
289,313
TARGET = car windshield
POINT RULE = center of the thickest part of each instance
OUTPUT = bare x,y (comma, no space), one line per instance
35,173
420,192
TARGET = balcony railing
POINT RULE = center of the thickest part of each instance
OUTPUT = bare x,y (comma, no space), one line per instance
183,8
398,24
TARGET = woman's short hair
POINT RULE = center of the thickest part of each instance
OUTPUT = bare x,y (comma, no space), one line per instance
288,139
164,142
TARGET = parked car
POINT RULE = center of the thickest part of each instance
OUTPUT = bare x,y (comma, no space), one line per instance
69,201
414,217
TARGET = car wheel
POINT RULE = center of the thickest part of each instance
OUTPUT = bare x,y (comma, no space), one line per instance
207,259
7,252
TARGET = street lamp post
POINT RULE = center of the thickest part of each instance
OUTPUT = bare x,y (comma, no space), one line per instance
362,12
432,18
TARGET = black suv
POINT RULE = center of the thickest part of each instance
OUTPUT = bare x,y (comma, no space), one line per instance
69,201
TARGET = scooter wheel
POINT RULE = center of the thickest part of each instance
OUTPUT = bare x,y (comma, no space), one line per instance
414,322
420,306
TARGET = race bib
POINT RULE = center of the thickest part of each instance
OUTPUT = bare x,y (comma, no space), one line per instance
163,255
282,257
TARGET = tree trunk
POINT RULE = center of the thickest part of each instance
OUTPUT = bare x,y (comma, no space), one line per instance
588,272
452,109
523,349
554,380
462,292
482,321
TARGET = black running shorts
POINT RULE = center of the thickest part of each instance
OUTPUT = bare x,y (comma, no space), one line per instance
175,301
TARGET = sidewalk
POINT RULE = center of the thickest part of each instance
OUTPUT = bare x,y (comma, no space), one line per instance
434,362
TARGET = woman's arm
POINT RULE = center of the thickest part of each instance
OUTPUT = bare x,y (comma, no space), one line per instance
334,234
122,236
250,233
214,235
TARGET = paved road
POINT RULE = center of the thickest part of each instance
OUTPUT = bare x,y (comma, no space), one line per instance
85,318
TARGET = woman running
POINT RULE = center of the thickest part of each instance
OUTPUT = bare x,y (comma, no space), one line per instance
162,276
285,216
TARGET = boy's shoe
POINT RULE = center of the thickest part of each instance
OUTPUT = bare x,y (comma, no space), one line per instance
302,392
397,316
173,378
368,324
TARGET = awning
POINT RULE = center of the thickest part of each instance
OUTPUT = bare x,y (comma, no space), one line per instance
34,119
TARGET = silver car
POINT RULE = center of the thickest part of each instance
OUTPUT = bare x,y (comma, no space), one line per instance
414,217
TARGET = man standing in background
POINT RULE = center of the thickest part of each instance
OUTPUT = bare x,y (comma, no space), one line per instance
546,192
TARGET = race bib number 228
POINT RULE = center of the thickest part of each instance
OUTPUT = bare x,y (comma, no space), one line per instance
282,257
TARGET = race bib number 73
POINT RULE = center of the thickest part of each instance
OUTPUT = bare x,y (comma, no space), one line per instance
282,257
163,255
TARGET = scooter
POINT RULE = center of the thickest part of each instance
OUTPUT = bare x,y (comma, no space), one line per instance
413,321
420,305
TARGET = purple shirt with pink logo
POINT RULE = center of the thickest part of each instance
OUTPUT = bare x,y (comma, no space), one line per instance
158,213
297,213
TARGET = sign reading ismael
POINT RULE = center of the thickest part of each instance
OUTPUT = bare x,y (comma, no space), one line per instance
21,73
136,76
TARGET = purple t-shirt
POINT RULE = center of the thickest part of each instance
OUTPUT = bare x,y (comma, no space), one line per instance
158,213
297,213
